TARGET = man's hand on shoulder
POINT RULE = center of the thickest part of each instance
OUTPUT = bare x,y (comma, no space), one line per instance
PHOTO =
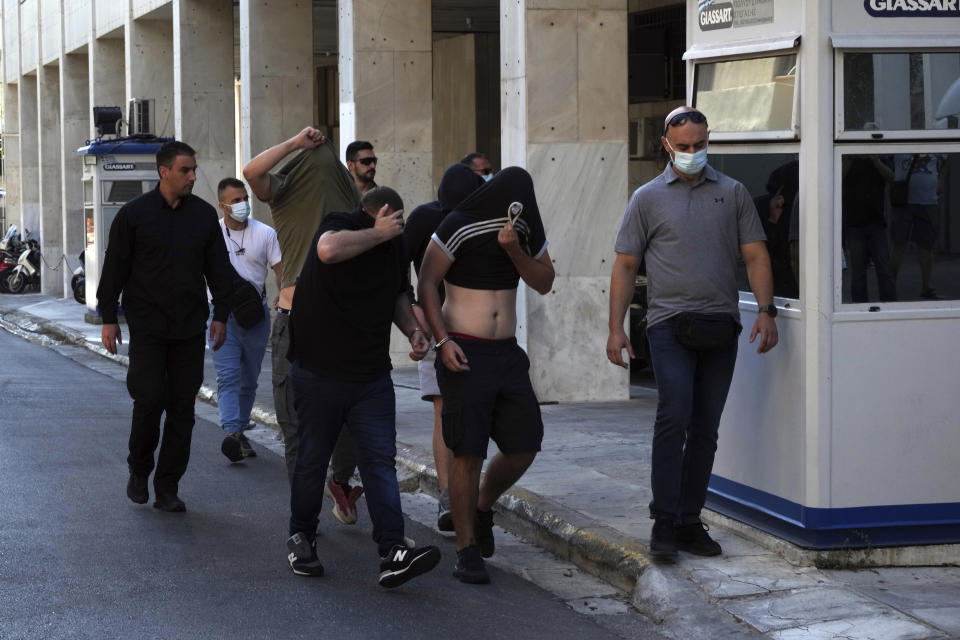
389,223
766,328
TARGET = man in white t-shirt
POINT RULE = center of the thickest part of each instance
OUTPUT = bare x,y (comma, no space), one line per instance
253,250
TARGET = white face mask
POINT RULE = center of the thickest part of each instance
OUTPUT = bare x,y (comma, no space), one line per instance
240,211
688,163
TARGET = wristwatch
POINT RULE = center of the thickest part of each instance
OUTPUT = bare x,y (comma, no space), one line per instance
769,309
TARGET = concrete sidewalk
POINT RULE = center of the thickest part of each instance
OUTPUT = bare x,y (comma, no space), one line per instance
585,498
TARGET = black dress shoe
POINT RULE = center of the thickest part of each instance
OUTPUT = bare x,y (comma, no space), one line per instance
170,503
137,488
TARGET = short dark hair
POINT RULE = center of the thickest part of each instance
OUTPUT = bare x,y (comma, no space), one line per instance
167,154
356,146
470,157
227,183
378,196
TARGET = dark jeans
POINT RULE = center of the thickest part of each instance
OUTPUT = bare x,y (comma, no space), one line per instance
368,409
344,461
692,388
866,244
164,376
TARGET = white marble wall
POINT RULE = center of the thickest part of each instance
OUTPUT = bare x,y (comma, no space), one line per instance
564,113
29,35
11,41
11,154
29,156
106,74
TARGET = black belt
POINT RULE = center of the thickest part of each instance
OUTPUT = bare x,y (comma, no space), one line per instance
285,312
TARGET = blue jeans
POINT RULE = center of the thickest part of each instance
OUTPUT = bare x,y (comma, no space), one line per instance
368,409
238,364
692,388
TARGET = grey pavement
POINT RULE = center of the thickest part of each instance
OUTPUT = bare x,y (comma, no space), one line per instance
585,499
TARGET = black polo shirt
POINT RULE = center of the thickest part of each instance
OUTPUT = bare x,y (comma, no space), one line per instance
341,315
163,260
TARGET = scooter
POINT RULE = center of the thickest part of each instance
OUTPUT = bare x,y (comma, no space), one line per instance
27,270
78,283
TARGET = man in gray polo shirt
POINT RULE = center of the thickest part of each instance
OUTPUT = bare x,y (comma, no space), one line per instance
689,224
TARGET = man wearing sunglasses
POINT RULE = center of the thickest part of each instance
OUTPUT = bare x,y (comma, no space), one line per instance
689,224
362,164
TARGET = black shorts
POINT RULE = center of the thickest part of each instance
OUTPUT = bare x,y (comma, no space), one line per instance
493,400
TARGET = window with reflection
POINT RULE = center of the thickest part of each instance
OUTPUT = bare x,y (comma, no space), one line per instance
749,95
773,180
901,91
900,221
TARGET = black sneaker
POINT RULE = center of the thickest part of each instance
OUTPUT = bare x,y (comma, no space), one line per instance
303,556
483,533
137,488
694,539
232,448
246,449
470,566
403,563
444,517
663,541
169,502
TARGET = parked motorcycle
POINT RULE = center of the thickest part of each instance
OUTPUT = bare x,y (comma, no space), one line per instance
9,254
78,283
27,271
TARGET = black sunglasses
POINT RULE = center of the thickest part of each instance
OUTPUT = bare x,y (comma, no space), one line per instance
681,118
368,161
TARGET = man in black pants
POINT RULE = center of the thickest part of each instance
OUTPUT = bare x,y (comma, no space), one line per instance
351,288
165,248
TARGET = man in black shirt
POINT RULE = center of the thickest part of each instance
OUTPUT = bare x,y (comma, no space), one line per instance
165,249
348,293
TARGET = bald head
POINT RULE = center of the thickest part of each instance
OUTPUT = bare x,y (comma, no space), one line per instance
675,118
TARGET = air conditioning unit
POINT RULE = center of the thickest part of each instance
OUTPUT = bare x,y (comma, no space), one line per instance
141,118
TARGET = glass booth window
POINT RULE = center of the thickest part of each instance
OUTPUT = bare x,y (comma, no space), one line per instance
121,190
747,95
900,227
905,92
773,180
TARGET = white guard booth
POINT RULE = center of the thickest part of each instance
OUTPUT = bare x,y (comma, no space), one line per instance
842,118
114,171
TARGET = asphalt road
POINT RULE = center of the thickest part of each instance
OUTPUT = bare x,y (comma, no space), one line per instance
79,560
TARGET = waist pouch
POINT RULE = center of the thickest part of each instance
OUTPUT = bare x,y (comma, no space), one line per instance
247,306
705,331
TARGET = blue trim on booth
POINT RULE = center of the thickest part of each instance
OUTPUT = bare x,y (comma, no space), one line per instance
852,527
132,145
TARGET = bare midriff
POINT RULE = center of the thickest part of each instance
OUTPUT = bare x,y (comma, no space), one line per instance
286,297
481,313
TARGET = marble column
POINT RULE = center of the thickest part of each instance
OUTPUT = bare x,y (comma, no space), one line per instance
75,127
52,265
564,118
204,93
385,59
276,76
149,69
29,156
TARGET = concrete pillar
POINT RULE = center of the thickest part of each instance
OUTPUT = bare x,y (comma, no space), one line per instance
51,204
106,76
385,90
276,76
149,69
75,128
29,156
564,118
204,94
11,156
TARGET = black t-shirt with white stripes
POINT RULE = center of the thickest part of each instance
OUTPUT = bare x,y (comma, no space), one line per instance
468,235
